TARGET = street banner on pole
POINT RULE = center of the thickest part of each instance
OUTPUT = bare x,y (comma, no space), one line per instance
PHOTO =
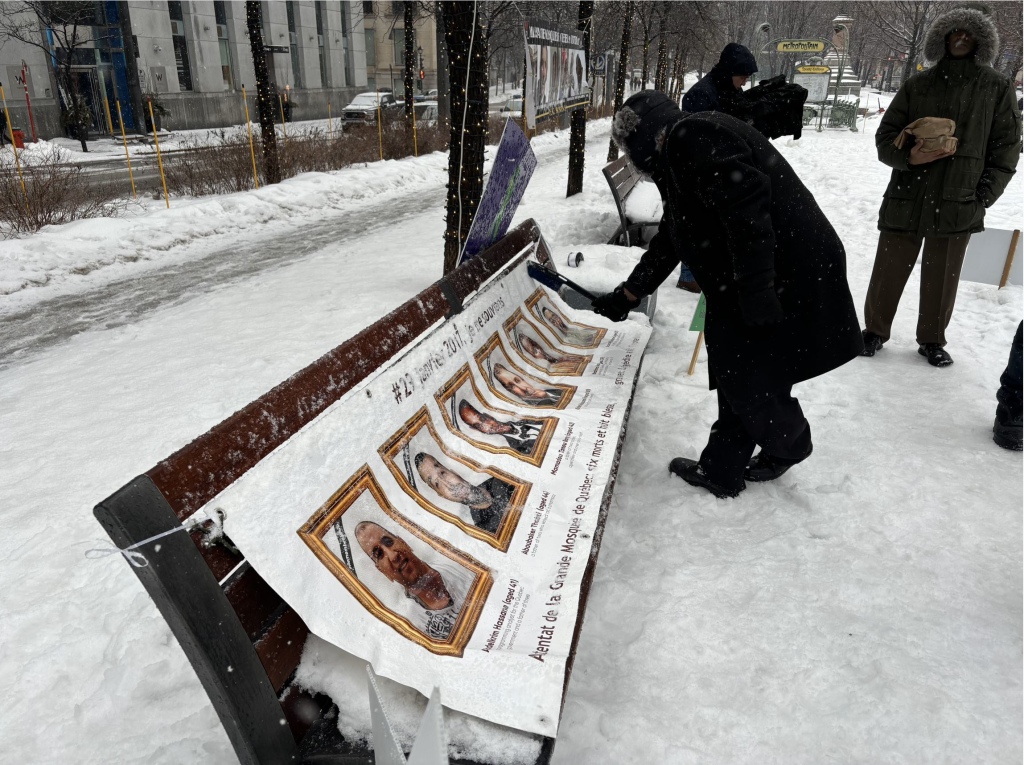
556,71
514,163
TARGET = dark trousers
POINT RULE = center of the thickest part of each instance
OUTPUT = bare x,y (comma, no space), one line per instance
940,273
777,424
1011,387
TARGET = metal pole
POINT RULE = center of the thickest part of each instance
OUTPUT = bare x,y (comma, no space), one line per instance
14,147
330,122
152,122
125,139
252,151
380,132
28,103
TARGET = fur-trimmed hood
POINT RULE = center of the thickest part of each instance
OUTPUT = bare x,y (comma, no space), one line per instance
977,22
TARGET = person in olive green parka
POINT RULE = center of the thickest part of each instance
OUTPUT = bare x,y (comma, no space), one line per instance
939,198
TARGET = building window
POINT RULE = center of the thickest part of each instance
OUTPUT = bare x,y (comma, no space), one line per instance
371,48
293,39
367,8
221,15
320,42
399,38
180,47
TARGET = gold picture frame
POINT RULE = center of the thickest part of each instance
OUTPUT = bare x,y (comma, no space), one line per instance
568,365
564,334
483,358
501,537
445,398
323,520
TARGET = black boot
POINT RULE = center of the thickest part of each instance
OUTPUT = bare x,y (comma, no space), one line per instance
1008,431
763,467
935,354
872,343
692,472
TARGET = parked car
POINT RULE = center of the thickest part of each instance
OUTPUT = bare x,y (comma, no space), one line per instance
364,107
426,112
432,94
513,108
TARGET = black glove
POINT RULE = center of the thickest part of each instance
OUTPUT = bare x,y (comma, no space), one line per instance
614,305
761,307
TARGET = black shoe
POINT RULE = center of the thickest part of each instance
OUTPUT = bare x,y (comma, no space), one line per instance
691,472
1009,435
872,343
936,354
764,468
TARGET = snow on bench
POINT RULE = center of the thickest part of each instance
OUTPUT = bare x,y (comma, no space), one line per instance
637,201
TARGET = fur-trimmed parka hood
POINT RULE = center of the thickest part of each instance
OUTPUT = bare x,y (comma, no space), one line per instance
970,19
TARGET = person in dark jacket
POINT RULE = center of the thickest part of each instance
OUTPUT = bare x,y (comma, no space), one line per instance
1008,429
779,309
939,197
728,76
724,81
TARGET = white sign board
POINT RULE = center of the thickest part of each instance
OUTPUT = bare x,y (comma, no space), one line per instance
986,258
815,84
437,520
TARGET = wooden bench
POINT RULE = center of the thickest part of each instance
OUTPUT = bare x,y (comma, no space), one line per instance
623,178
242,639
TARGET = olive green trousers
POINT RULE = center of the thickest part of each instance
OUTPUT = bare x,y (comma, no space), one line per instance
940,273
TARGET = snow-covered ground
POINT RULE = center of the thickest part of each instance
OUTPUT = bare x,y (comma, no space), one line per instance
864,608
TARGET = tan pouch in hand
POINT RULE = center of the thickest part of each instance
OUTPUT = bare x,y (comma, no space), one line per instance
932,133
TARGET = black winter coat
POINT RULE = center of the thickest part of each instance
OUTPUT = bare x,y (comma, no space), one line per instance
704,95
737,214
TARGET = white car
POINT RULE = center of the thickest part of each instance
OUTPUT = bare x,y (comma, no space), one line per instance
513,108
364,107
426,112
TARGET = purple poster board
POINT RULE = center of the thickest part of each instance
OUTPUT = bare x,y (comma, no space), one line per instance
513,167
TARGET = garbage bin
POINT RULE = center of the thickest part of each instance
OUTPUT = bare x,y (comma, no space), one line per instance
19,138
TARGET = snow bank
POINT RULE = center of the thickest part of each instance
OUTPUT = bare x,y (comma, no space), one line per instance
58,253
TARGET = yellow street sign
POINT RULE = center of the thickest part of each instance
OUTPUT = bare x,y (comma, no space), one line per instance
920,68
813,69
800,46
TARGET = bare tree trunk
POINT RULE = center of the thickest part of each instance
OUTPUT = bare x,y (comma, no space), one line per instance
467,62
410,58
677,67
620,80
444,109
661,73
578,121
264,91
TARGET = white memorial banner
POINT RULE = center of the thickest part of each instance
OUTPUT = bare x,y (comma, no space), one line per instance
556,70
437,520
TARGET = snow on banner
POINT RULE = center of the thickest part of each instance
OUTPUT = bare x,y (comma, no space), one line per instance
513,167
437,520
556,71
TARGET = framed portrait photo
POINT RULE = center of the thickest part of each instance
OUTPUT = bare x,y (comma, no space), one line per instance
575,335
488,428
538,353
481,500
419,585
510,383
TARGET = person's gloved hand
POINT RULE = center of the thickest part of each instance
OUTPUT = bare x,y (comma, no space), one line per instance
761,308
614,305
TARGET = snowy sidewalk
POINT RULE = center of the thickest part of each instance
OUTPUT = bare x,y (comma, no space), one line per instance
864,608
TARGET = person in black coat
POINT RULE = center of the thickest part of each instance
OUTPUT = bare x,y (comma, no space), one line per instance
728,76
772,269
